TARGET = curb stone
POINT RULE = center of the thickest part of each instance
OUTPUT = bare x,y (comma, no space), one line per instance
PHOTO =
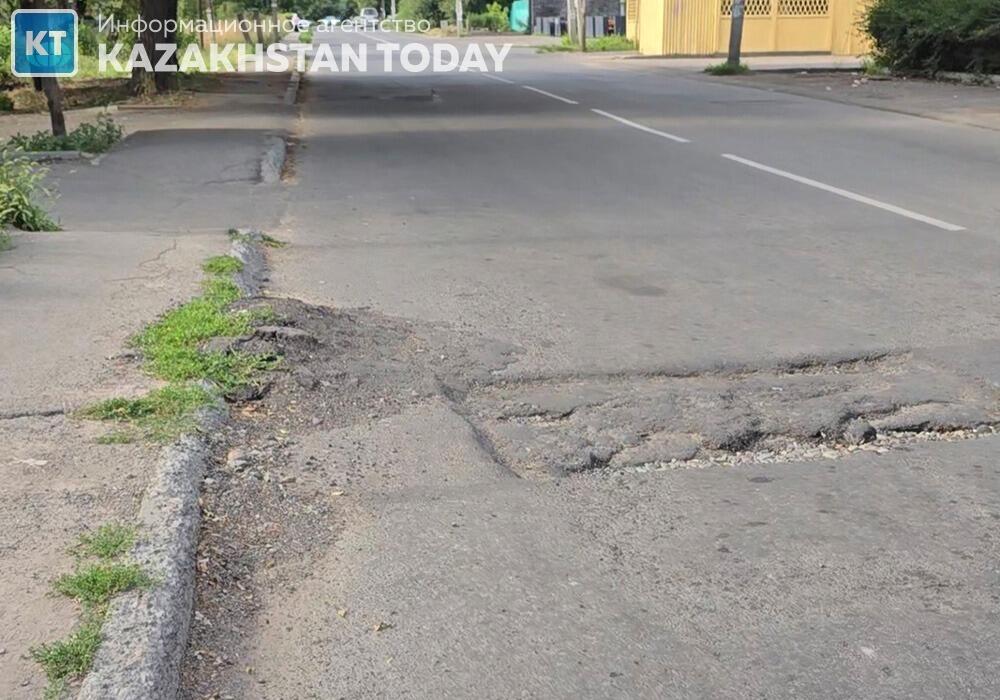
292,92
273,160
145,633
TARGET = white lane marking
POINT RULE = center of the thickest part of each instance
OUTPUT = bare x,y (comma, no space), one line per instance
549,94
640,127
497,77
847,194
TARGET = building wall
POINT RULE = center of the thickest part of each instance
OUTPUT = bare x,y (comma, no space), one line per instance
701,27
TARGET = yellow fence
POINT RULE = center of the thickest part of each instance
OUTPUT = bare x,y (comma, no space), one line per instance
701,27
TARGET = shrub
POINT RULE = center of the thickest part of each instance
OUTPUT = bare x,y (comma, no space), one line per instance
89,137
306,37
6,102
421,9
495,19
726,68
6,77
933,35
20,185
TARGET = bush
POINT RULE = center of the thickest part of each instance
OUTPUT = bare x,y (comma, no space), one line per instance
89,137
88,39
421,9
933,35
6,77
495,19
20,184
6,102
306,37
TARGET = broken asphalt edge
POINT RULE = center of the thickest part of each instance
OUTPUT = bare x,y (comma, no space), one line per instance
145,633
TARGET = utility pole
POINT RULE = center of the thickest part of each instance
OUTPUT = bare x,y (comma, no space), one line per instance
736,33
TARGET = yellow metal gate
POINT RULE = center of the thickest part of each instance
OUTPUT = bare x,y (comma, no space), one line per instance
701,27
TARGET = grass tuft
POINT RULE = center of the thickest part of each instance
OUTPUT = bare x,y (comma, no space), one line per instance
5,242
94,584
267,240
161,415
109,541
726,68
71,657
222,265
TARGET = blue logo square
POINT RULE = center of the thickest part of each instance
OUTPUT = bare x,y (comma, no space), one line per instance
43,43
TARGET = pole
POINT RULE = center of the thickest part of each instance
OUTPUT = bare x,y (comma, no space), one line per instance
274,20
581,23
570,12
458,17
736,33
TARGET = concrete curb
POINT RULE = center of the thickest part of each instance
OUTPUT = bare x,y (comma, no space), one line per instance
292,91
146,632
273,160
968,78
48,156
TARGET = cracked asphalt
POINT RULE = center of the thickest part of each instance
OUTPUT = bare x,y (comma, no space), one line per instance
577,415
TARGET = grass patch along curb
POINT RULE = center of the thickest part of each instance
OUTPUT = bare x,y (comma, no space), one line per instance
144,636
101,573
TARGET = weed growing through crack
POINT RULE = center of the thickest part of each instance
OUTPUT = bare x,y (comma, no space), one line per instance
93,585
5,242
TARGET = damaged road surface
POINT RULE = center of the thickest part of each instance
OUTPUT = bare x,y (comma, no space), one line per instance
568,410
391,510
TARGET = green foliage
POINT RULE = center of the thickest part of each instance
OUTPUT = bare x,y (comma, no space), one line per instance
88,39
933,35
92,585
612,42
71,657
431,10
6,77
161,415
726,68
6,103
90,137
5,242
95,584
306,37
495,19
20,185
109,541
222,265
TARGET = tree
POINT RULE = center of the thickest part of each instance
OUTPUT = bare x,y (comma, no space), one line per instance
49,86
156,13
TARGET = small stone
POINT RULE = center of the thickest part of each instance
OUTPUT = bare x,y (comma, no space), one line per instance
859,432
284,333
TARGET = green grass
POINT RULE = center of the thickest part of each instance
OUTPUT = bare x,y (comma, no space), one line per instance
161,415
116,437
5,242
93,585
725,68
612,42
109,541
222,265
71,657
306,37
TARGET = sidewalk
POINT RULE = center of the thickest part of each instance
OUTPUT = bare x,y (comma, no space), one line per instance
785,62
138,225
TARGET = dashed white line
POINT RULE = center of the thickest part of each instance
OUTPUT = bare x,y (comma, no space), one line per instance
640,127
549,94
846,193
498,78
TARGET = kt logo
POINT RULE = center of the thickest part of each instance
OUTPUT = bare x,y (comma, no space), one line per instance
43,43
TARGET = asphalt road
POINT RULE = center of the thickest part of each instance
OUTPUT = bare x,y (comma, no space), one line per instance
684,227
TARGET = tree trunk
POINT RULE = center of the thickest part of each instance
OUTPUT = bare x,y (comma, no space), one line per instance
50,86
53,95
581,22
259,26
246,35
144,82
274,20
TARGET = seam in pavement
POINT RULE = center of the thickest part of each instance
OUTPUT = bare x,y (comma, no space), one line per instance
146,632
